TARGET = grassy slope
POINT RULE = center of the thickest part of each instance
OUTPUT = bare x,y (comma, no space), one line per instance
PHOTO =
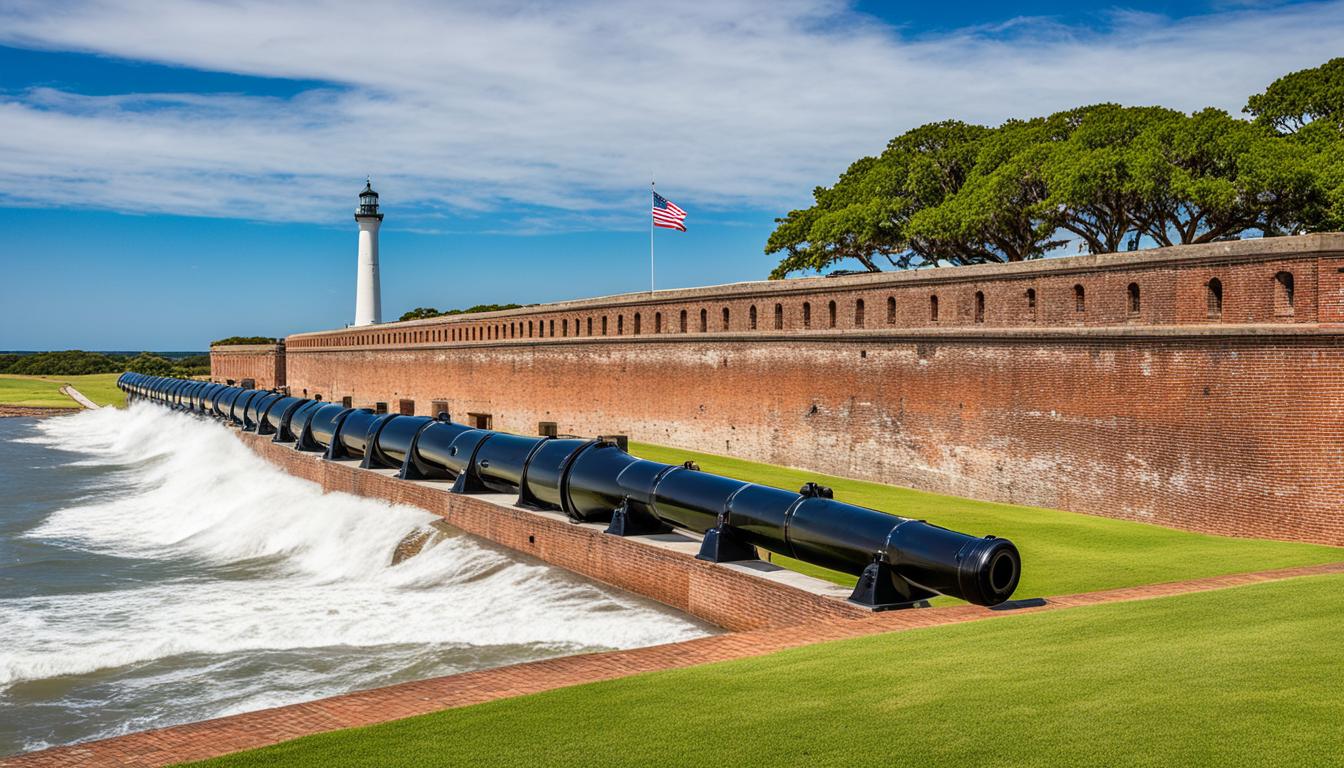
101,388
33,393
1062,552
1246,676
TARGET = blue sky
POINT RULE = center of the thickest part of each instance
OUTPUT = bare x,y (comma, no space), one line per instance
175,174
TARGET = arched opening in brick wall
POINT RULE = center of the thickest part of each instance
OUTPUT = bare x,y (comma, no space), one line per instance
638,324
891,310
725,318
1031,303
858,313
933,308
590,326
564,328
751,318
1283,293
682,321
830,314
779,317
704,320
657,322
1215,297
550,328
979,306
807,314
620,325
1079,299
1135,300
529,329
604,325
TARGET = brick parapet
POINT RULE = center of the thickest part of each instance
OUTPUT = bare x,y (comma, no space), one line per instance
1173,287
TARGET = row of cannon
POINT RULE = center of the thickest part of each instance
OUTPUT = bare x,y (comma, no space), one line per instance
899,561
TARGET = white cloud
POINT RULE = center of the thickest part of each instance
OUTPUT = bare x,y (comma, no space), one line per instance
564,111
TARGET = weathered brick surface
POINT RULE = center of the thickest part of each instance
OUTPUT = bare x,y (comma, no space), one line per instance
263,363
211,738
1231,422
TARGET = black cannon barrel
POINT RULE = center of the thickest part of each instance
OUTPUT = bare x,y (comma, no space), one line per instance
238,415
293,426
216,400
198,397
543,480
446,449
354,433
232,401
169,393
186,400
393,441
256,407
281,411
593,486
501,460
323,423
899,561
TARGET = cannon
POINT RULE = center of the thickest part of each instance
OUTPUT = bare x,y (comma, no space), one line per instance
898,561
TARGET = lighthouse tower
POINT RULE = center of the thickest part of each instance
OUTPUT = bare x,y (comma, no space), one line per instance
368,292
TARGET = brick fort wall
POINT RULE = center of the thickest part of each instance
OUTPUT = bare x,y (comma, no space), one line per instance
262,363
1195,386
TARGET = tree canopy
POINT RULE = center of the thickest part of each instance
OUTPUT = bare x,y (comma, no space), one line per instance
76,362
1109,176
243,340
422,313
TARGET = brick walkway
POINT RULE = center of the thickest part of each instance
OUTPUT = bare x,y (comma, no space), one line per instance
211,738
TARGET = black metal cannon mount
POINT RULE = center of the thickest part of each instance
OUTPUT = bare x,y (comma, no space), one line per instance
899,562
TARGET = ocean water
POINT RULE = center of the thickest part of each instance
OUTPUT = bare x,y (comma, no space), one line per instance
153,571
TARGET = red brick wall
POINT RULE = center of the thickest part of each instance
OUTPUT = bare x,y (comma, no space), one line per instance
264,363
1231,423
1219,432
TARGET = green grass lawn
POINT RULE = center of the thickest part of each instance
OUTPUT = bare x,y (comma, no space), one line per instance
1237,677
1062,552
101,388
33,393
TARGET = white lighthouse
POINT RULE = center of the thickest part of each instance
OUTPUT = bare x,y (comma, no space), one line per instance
368,292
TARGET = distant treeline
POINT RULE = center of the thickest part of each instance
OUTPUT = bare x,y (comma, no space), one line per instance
421,313
76,362
243,340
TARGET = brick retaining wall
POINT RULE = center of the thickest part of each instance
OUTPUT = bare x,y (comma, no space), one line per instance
737,596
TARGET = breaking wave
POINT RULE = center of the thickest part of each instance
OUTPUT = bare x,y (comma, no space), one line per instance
260,590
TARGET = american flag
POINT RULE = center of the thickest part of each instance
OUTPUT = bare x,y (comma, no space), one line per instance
666,214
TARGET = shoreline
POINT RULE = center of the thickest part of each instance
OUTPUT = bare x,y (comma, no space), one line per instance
34,411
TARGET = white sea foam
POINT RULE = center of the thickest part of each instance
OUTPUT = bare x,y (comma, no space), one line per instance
280,566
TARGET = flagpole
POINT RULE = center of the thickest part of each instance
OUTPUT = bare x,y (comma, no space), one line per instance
652,191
